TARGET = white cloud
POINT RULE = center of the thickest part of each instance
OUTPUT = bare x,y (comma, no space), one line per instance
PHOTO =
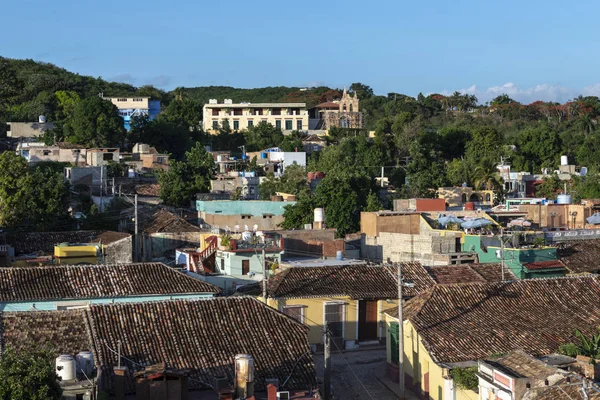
527,95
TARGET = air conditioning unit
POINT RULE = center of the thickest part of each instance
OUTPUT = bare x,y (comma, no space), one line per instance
283,395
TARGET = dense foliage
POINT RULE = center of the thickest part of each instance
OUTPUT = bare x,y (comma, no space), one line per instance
465,378
28,376
36,197
585,346
184,179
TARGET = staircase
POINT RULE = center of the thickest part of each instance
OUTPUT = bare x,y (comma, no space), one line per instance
198,260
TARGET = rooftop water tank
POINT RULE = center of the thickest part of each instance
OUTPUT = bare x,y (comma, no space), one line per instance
244,375
563,199
247,235
319,215
65,367
85,362
564,160
42,119
339,255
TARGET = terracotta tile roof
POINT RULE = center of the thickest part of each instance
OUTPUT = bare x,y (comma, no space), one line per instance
468,322
581,256
563,390
328,104
450,274
63,331
165,221
492,272
205,336
469,273
521,365
355,281
550,264
98,281
33,242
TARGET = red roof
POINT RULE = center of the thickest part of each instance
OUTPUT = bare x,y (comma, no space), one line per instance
544,264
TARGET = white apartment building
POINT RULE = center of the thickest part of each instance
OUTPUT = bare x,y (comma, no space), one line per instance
239,117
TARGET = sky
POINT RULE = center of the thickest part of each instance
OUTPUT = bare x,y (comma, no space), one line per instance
529,49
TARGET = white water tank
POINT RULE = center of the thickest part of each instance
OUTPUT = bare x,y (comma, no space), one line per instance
319,215
85,362
65,367
247,236
564,160
42,119
563,199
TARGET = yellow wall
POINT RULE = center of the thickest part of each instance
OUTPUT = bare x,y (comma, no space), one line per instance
417,363
314,313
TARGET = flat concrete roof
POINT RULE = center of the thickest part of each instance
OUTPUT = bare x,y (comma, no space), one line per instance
255,105
318,262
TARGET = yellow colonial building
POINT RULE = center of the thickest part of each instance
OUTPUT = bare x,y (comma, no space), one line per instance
452,327
352,299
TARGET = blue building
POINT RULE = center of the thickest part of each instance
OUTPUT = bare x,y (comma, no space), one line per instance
134,107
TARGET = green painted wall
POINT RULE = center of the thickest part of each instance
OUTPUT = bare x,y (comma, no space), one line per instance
514,258
236,207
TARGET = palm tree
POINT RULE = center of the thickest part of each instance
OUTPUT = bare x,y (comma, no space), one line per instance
486,176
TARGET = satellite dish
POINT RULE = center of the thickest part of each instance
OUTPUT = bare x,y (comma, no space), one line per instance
583,171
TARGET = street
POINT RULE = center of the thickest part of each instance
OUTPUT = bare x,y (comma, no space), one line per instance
370,368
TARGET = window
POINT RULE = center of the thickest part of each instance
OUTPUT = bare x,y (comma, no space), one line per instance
236,125
215,112
278,124
250,123
299,125
215,125
334,316
258,111
295,312
276,111
288,125
47,152
107,156
121,100
237,111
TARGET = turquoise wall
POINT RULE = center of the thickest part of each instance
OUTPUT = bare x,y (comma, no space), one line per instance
514,258
236,207
53,305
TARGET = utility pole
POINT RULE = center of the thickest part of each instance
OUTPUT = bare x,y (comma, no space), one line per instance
264,267
113,182
502,252
400,337
327,355
101,188
137,242
382,176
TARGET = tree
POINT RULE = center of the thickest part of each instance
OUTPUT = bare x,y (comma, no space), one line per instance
262,136
13,169
363,91
292,142
502,99
293,181
549,187
373,203
295,216
589,347
28,376
185,179
165,136
95,123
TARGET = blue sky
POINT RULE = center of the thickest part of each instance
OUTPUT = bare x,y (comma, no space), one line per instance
530,49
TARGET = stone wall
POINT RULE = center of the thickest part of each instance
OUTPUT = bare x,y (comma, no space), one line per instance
398,247
120,252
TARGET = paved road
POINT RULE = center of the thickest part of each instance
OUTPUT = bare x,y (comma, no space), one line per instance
368,365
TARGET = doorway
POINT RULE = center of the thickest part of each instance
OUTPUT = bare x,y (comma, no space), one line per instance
367,320
245,267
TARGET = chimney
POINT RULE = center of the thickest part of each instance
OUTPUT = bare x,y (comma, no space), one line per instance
271,392
119,382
